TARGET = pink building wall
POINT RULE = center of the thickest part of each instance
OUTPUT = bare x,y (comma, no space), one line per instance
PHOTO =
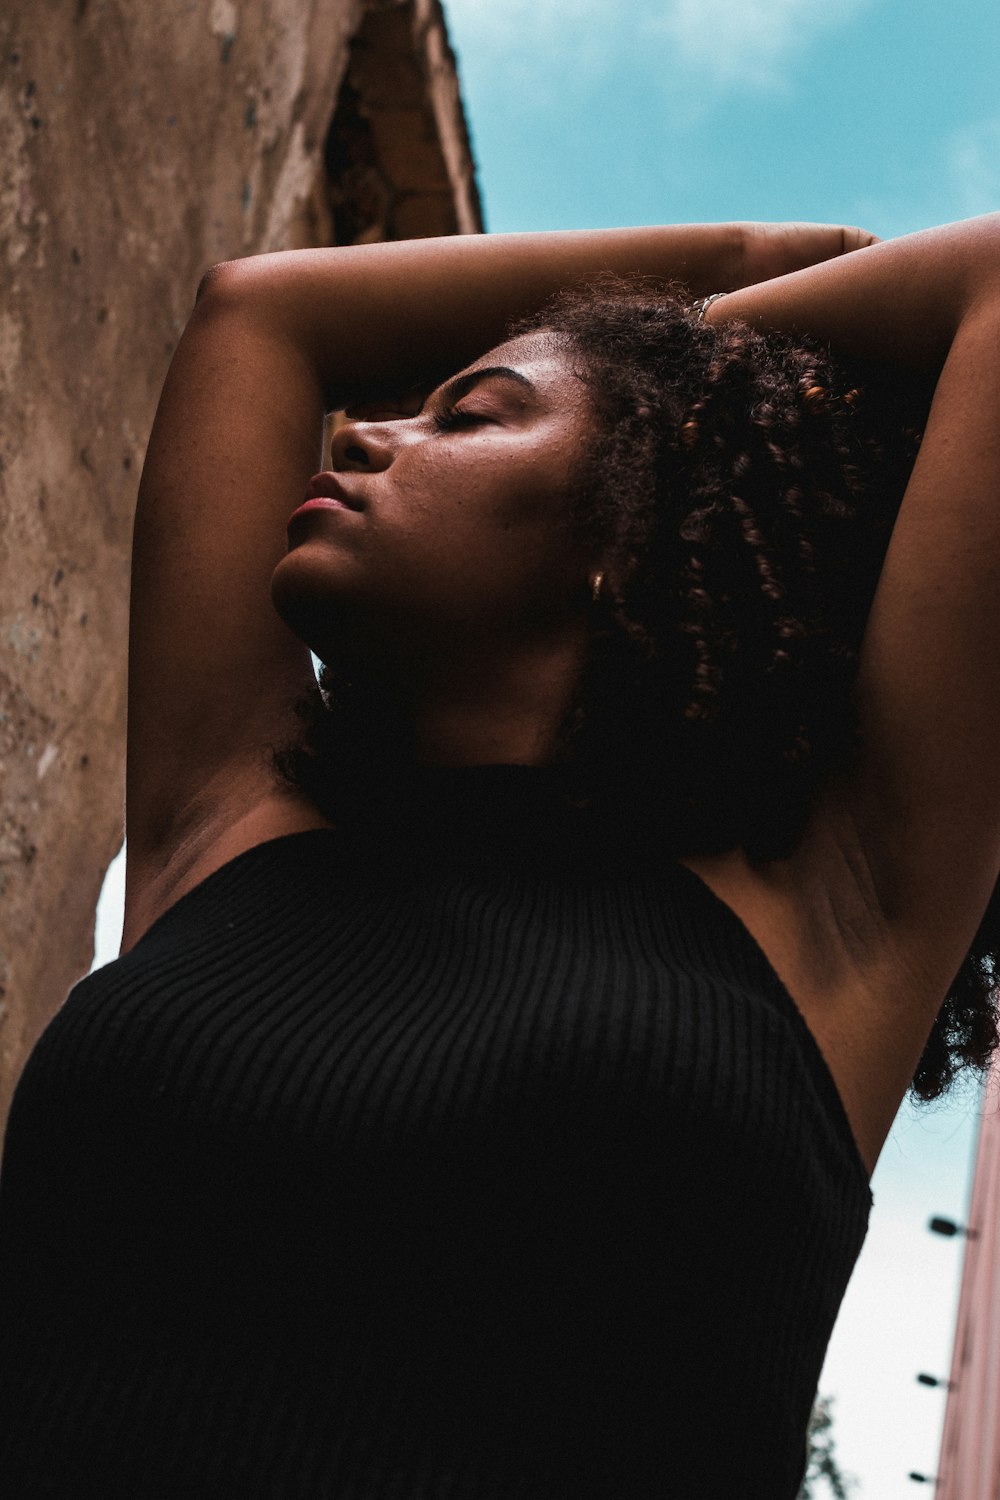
969,1462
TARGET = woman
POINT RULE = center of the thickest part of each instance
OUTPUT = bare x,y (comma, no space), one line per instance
484,1101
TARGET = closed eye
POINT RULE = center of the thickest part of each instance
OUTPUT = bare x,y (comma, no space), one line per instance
448,418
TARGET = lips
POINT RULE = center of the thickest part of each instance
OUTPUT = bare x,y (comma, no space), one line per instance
325,492
327,486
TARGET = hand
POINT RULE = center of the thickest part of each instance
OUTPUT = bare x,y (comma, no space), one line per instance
771,250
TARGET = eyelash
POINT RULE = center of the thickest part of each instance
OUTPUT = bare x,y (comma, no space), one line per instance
451,418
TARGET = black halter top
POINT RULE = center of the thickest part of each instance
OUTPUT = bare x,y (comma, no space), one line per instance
465,1153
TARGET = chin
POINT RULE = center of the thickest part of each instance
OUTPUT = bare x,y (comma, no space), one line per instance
308,600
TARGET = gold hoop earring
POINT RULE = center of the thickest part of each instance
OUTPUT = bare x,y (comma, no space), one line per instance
595,586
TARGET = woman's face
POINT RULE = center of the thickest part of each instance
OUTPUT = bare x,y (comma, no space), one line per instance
453,531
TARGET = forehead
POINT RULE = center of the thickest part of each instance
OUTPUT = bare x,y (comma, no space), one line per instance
545,358
528,348
541,344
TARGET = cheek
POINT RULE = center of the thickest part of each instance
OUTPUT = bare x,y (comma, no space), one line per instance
501,540
443,547
500,533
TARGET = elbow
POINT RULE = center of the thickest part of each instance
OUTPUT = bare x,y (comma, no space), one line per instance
217,279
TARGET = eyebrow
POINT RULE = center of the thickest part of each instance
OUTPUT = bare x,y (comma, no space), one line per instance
463,384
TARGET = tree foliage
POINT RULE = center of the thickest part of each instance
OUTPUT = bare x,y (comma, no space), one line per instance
824,1478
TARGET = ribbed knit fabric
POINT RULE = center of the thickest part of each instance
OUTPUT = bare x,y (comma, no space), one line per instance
462,1157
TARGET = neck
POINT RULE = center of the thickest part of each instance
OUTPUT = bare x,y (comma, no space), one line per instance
488,709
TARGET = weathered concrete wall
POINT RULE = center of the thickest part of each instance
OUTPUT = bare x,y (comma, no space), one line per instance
139,144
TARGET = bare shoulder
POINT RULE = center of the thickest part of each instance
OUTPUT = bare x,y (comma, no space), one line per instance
228,830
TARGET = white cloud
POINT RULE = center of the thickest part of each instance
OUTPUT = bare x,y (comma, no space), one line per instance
541,45
974,162
725,45
745,44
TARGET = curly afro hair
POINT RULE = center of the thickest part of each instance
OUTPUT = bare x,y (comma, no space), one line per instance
741,489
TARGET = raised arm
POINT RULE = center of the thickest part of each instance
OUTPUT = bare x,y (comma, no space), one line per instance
419,309
902,300
921,817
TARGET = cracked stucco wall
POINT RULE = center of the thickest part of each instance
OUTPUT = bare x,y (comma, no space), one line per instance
139,144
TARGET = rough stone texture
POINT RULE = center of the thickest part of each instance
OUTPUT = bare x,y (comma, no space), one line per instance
139,144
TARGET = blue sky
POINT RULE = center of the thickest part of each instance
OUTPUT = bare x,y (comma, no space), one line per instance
883,113
877,112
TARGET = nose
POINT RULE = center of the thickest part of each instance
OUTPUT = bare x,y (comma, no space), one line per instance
365,446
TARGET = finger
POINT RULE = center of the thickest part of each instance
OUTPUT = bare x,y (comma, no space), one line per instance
858,239
777,249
